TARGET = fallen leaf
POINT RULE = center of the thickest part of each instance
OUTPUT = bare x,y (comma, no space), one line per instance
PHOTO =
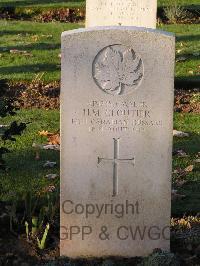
35,38
43,133
46,147
181,59
25,53
197,161
180,134
184,222
51,188
51,176
51,147
54,139
15,51
196,54
49,164
189,168
47,36
180,153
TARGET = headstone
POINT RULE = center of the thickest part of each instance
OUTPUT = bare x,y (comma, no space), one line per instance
116,120
141,13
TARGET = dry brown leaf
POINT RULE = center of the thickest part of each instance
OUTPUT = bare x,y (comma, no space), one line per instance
54,139
179,51
25,53
43,133
189,168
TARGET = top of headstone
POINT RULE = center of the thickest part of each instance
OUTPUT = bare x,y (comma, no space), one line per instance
122,28
140,13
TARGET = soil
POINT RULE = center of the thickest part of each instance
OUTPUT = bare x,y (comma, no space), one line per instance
187,101
75,15
47,96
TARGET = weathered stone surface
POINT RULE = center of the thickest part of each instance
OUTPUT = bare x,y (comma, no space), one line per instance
141,13
116,120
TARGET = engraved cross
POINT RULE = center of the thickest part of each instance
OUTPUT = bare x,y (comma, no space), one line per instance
115,162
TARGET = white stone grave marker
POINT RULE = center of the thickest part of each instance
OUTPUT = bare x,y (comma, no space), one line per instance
116,133
141,13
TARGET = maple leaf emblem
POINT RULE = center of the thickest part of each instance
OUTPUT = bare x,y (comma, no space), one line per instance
117,69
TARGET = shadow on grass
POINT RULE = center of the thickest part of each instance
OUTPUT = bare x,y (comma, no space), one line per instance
15,32
34,68
36,2
36,46
190,204
190,145
25,173
186,83
188,38
189,56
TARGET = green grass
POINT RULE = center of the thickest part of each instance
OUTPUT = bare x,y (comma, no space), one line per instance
187,46
42,4
179,2
42,40
78,3
190,204
26,173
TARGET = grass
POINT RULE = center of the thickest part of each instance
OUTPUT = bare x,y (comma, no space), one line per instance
179,2
187,47
42,40
78,3
44,4
25,172
191,189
